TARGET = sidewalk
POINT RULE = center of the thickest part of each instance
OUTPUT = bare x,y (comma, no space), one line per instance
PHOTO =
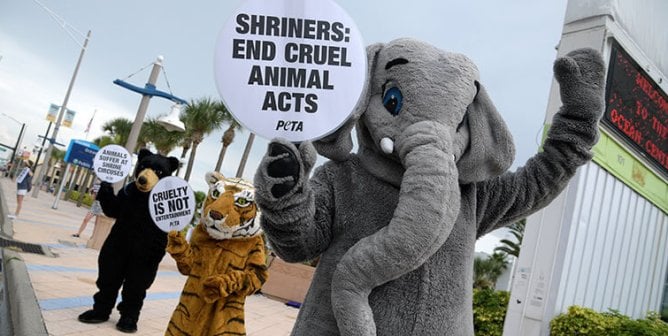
64,285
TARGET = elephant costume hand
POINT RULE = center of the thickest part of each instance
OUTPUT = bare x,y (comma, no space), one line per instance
580,75
287,166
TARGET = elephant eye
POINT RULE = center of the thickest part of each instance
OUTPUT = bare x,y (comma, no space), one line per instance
392,100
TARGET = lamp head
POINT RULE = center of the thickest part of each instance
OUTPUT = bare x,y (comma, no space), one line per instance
172,122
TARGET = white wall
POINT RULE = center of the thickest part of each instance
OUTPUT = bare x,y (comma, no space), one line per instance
617,250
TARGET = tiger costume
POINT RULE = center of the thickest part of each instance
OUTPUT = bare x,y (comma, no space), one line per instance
224,261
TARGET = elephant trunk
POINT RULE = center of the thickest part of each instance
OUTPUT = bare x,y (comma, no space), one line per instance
425,214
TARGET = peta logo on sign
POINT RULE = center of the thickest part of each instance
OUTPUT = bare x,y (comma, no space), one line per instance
293,69
294,126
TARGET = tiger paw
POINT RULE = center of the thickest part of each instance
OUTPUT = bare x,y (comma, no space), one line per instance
212,289
176,243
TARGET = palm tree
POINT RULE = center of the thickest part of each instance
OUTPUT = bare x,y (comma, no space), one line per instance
118,129
103,140
227,138
163,140
201,117
510,247
487,270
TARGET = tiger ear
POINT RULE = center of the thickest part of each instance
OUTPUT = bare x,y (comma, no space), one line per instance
213,177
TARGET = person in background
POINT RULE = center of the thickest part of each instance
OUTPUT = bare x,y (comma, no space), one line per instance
23,186
95,210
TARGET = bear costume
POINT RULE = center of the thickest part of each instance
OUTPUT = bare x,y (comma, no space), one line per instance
395,224
224,261
135,246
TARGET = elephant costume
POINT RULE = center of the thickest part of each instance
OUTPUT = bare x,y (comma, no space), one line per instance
395,224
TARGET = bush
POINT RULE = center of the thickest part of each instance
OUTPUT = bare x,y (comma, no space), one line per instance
582,321
74,195
489,311
586,321
652,325
87,200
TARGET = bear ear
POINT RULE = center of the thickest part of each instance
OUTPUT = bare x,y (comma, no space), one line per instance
213,177
173,164
143,153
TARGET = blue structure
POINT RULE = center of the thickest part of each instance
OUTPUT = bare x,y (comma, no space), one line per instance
150,90
81,153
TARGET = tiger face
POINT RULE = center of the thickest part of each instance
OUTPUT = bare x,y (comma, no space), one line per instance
229,211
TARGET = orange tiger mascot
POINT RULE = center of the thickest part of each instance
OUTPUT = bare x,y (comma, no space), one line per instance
224,262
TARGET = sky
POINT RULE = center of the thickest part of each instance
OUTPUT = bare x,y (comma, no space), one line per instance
512,43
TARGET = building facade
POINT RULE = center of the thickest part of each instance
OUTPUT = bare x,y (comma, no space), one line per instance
603,243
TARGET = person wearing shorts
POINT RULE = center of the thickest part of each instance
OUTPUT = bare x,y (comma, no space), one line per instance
23,186
95,210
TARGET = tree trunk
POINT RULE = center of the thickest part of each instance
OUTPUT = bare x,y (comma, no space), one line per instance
220,158
227,139
184,151
191,160
83,191
244,158
71,185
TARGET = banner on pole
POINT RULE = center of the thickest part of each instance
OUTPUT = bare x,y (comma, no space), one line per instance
52,115
69,118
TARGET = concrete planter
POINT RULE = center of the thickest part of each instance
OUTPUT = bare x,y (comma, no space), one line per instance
287,281
101,230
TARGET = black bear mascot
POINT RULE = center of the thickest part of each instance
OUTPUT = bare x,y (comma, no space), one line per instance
135,246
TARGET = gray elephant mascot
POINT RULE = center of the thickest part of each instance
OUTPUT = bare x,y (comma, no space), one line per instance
395,224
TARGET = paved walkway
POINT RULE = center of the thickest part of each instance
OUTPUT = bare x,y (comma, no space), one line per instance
64,285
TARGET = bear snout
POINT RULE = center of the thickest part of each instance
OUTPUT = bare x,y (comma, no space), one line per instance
142,180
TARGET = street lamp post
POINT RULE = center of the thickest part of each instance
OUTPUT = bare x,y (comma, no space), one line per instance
63,108
18,144
18,140
147,92
143,106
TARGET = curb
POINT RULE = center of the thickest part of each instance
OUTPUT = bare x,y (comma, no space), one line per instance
7,226
26,316
19,304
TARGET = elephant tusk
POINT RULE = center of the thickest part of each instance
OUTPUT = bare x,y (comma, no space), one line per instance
387,145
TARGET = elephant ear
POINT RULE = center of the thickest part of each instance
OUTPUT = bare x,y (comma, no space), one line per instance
337,145
491,150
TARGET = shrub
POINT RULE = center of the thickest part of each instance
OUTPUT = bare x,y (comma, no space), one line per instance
586,321
74,195
87,200
582,321
489,311
652,325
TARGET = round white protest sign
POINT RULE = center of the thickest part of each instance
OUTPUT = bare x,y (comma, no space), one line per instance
112,163
172,203
290,68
